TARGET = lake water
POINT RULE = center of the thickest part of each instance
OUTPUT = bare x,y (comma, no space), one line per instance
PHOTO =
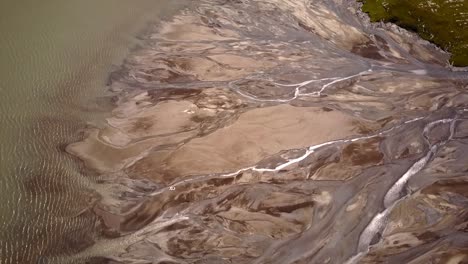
54,60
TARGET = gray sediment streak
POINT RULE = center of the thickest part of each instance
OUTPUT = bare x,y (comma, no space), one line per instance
309,151
104,247
298,86
393,195
394,192
312,149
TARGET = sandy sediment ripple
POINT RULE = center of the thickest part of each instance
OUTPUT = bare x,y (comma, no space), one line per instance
282,132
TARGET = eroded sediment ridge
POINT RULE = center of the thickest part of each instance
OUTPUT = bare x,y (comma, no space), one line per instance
282,132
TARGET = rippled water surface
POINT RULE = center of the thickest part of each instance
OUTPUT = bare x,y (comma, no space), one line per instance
54,60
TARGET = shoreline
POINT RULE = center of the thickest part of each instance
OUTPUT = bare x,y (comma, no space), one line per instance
48,100
215,108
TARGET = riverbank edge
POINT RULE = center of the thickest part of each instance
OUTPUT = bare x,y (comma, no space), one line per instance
365,17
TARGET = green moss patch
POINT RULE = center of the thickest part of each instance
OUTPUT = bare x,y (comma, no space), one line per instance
443,22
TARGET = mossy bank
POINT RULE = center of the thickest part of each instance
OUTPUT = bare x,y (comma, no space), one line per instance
443,22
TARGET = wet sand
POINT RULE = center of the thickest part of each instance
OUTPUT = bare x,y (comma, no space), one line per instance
282,132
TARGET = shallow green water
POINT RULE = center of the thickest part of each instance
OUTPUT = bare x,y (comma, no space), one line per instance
55,56
443,22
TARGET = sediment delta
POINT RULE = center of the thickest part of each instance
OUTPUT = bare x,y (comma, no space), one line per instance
282,132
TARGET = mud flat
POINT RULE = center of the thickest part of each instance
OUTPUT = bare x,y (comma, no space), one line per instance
282,132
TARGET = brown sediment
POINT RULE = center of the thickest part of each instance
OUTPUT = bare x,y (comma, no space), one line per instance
281,132
368,50
258,134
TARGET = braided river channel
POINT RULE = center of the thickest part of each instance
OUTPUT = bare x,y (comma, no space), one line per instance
228,131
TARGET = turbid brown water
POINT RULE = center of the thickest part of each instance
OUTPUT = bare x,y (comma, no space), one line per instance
55,57
282,131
